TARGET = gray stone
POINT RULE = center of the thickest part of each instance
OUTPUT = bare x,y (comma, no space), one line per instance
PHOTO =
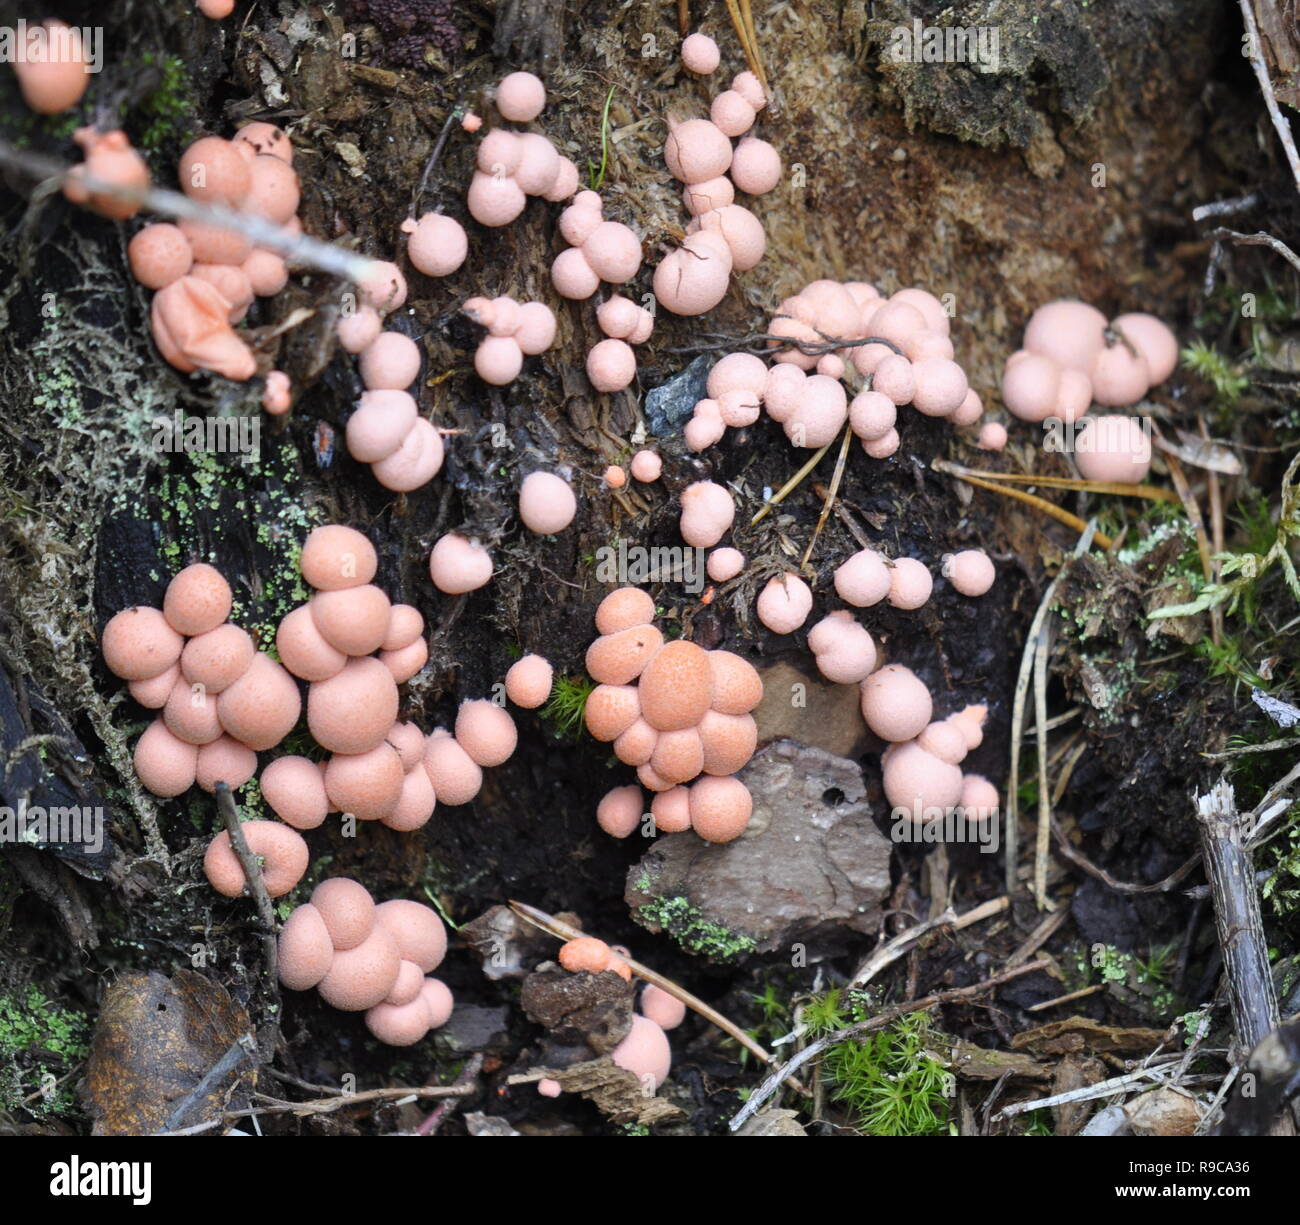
810,869
670,406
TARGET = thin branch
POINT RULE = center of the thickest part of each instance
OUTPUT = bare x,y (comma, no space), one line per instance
1018,706
1280,122
900,944
1258,239
879,1021
252,867
829,500
564,931
298,248
1237,915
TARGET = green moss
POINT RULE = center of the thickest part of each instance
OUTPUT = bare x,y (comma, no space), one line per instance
165,119
39,1043
568,702
893,1083
687,925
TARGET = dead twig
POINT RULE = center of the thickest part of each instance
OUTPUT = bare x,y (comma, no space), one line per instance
1280,123
563,931
436,1117
789,487
900,944
1040,504
829,501
1258,239
1236,913
1068,850
1068,998
879,1021
1043,837
297,248
1018,708
269,1035
1152,493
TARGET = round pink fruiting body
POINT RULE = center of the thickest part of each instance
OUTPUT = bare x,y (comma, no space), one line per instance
646,466
895,703
700,53
611,365
707,513
437,244
784,604
724,564
971,571
546,503
520,97
458,565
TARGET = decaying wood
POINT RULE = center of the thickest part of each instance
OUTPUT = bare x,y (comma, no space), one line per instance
1236,913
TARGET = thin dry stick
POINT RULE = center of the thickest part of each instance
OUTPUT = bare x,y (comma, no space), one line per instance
900,944
299,248
1271,747
242,1048
1280,123
1041,504
747,12
1192,509
1066,999
829,501
563,931
789,487
1018,709
252,866
1089,1093
1039,936
328,1105
436,1117
1153,493
1258,239
1043,841
1215,488
879,1021
1068,850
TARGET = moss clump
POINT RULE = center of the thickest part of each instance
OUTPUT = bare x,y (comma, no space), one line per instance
567,704
39,1043
893,1083
687,925
165,119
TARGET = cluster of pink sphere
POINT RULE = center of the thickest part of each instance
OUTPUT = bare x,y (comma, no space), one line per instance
206,276
221,701
922,763
915,367
515,165
1072,358
513,330
611,364
674,711
644,1051
363,957
722,236
404,449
